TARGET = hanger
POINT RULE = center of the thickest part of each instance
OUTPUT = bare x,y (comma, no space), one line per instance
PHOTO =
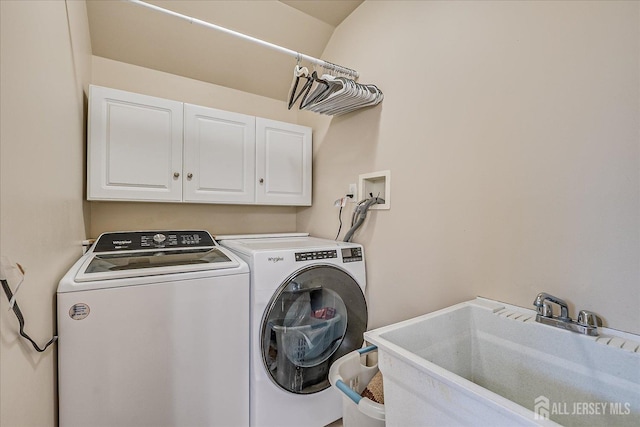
349,96
319,89
298,72
329,94
328,97
364,96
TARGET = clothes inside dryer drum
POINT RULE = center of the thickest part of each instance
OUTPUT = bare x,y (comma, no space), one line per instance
306,336
316,316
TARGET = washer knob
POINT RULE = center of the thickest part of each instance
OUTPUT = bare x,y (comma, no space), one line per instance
159,238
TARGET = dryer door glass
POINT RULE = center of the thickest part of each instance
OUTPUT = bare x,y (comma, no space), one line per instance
316,316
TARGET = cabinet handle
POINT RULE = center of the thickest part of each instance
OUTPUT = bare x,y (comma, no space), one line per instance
176,175
189,176
261,181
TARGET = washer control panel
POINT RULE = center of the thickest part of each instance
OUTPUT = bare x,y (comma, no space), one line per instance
308,256
136,240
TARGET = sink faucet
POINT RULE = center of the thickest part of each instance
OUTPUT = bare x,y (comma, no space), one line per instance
542,308
587,322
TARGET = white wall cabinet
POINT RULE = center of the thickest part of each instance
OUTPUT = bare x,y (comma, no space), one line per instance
135,147
143,148
283,163
219,156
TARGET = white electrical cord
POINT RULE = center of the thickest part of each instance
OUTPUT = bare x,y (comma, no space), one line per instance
13,271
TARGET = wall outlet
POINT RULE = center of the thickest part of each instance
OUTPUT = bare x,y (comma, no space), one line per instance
353,190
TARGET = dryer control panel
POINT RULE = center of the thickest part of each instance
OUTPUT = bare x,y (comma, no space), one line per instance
307,256
351,254
348,255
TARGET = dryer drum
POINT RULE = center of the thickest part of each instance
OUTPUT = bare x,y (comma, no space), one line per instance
317,315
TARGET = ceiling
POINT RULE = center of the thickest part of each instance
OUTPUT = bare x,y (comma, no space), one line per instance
137,35
332,12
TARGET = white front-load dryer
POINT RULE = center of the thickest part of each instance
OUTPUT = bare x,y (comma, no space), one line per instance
307,309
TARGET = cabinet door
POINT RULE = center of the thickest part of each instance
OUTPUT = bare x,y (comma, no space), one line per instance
219,156
283,163
134,148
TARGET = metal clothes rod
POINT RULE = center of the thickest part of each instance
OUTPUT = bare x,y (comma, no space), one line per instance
299,56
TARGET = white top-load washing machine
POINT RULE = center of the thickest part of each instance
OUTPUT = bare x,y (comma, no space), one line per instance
307,310
153,331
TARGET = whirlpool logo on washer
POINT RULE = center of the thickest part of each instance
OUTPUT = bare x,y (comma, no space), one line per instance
79,311
275,259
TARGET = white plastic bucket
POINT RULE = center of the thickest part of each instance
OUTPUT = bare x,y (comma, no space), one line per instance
350,375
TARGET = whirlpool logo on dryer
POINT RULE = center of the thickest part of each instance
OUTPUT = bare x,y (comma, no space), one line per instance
275,259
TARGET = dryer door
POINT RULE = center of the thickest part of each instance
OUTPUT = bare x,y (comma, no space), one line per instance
316,316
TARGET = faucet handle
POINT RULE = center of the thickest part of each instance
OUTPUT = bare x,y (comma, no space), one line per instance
546,310
542,296
588,318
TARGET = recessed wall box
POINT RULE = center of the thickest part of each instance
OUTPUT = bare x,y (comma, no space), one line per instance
377,184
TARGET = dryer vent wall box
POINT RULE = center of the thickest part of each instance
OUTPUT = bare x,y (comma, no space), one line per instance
376,184
144,148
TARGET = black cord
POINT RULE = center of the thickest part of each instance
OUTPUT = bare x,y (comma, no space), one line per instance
339,219
18,313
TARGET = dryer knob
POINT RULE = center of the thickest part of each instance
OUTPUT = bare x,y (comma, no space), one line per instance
159,238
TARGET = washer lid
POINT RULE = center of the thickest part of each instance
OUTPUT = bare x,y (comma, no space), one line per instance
119,265
148,253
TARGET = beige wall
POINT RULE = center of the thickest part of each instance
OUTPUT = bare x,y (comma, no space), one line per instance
511,130
45,63
217,219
